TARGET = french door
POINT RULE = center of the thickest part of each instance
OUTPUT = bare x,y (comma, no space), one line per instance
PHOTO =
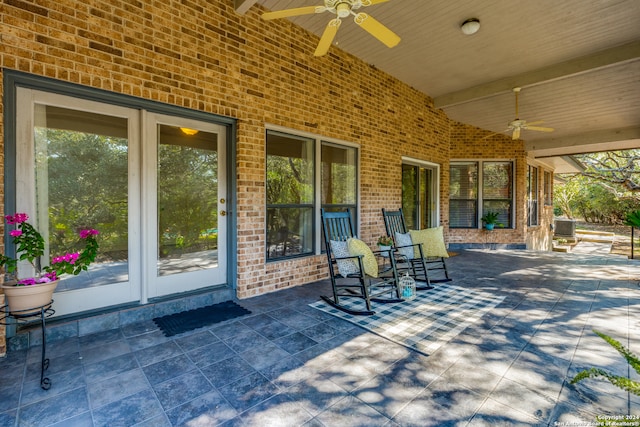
153,185
420,190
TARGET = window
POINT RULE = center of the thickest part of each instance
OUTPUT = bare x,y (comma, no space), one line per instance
292,190
420,195
532,196
478,187
548,189
497,190
463,194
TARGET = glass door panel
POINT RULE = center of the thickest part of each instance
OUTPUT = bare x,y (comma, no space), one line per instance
72,172
187,239
187,201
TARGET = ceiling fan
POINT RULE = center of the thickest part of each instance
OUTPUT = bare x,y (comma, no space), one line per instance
342,9
517,125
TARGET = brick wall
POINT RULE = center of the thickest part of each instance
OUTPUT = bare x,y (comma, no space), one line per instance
471,143
200,54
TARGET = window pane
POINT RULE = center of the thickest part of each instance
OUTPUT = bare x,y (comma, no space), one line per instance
82,182
290,195
503,207
463,193
410,196
463,214
289,169
289,232
338,169
496,180
187,201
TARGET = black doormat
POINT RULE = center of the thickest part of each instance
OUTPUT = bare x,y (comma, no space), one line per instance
184,321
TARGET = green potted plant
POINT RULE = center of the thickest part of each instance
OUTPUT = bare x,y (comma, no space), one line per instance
24,293
490,220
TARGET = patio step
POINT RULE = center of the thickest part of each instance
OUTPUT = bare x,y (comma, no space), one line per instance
595,236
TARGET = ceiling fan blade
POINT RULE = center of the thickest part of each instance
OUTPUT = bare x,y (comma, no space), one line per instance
267,16
328,35
538,122
539,129
516,133
377,30
370,2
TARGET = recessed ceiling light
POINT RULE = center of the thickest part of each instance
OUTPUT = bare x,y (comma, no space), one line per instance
470,26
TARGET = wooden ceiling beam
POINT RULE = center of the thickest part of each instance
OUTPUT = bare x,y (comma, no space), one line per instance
589,142
605,58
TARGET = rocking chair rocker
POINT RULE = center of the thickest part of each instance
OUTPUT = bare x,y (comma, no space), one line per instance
415,259
354,268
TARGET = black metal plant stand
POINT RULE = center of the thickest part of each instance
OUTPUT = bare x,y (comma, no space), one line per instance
18,316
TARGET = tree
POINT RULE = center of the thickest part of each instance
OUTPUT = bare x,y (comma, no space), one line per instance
616,168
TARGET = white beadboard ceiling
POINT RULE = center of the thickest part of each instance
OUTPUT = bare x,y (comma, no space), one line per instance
577,61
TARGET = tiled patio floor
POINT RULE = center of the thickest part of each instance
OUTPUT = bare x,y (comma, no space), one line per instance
290,365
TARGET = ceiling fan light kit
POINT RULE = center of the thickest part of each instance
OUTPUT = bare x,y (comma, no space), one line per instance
470,26
342,9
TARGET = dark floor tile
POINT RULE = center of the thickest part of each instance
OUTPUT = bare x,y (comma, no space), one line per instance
286,372
247,341
102,352
116,388
274,411
168,368
139,328
209,409
196,340
182,389
227,371
8,418
264,356
100,338
212,353
55,409
150,355
295,342
248,391
83,420
110,367
321,332
128,411
151,339
9,395
275,330
60,383
298,321
316,393
353,413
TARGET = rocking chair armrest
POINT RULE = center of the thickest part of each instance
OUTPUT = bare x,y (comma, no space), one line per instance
354,257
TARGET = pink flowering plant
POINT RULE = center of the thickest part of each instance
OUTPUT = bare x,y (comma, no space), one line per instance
30,247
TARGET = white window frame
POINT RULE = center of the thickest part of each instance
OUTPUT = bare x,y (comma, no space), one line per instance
480,198
317,221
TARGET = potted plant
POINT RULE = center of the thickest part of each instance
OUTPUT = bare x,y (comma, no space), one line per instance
490,220
384,244
35,291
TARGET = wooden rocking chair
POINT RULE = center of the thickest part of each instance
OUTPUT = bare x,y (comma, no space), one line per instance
417,261
355,269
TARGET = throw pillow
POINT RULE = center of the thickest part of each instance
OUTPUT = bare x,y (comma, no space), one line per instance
404,239
432,241
358,247
345,266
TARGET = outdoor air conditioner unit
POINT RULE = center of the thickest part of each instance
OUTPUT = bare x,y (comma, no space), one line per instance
565,227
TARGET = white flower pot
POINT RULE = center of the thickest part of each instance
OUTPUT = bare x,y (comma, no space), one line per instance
22,299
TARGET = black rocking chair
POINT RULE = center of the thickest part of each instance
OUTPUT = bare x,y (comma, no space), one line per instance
350,276
419,267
